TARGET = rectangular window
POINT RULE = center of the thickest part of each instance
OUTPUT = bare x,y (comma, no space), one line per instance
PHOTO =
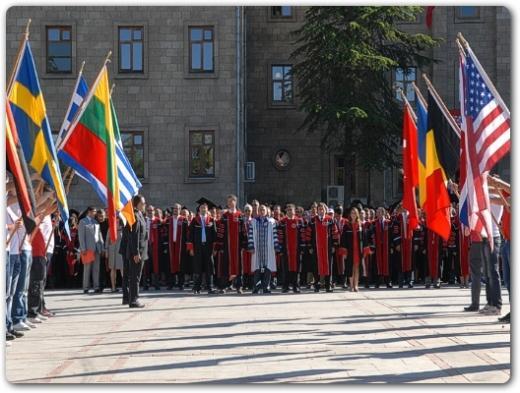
468,12
201,49
281,84
339,171
59,49
133,145
404,78
202,154
281,12
131,53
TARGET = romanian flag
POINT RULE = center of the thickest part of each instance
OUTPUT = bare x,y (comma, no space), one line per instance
28,109
17,166
410,170
437,202
422,129
89,146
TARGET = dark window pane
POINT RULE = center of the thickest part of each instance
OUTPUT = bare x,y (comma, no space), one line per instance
287,72
468,12
410,74
288,91
60,64
286,11
196,34
138,139
65,35
138,34
125,56
125,34
208,56
59,49
276,11
196,138
196,56
53,34
138,56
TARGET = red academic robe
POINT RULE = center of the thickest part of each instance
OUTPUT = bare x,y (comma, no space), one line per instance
464,243
406,243
177,245
323,235
154,243
71,245
229,229
382,246
290,239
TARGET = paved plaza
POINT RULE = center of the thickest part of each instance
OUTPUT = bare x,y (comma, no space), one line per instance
374,336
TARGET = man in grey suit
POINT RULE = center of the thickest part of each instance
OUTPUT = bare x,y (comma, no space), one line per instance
90,238
135,246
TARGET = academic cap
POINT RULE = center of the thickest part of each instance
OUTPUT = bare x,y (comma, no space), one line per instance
210,204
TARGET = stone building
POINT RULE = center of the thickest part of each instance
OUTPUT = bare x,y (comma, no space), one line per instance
204,93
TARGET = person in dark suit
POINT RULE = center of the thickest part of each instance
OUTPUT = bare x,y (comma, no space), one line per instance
135,246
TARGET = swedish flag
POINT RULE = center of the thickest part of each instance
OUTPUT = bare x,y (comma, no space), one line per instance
28,108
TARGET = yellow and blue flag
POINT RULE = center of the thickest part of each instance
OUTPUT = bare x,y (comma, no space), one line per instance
30,116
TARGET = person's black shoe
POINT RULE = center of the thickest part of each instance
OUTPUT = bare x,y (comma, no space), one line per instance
285,290
471,308
211,292
344,286
437,286
329,290
97,290
255,291
377,286
240,291
427,286
181,288
115,290
146,288
296,290
316,289
410,285
367,286
221,291
389,285
506,318
17,334
157,288
266,291
9,336
125,302
169,287
136,305
85,291
401,286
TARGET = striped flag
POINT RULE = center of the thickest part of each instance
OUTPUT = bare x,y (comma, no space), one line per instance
486,125
78,95
30,117
422,130
128,182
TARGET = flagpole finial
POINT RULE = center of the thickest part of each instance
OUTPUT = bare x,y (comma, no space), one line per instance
112,89
107,59
82,66
27,28
463,41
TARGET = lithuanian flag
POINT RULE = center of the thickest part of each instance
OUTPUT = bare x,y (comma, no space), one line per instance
89,146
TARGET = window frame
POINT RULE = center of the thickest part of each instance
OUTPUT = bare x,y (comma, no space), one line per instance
405,83
188,129
120,42
204,133
61,28
144,132
43,53
270,84
465,19
187,49
116,55
282,19
201,42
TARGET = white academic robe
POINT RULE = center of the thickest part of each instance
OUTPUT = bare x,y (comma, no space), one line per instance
263,239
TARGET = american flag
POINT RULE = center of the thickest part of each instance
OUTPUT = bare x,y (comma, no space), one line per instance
486,133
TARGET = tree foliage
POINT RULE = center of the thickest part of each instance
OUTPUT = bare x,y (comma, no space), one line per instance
344,58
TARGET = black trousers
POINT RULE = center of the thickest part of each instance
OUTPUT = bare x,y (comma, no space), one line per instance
36,286
328,278
288,278
421,266
131,276
452,264
261,280
203,263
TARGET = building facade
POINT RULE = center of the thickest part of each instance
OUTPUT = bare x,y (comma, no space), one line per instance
206,102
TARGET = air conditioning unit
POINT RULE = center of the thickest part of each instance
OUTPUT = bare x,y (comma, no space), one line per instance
335,195
249,171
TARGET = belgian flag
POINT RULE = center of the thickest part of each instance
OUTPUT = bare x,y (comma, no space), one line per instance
442,157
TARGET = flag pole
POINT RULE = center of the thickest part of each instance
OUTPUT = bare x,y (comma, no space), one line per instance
407,103
18,57
82,107
62,129
419,95
483,73
455,127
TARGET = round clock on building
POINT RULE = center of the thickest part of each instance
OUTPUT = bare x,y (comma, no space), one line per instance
282,159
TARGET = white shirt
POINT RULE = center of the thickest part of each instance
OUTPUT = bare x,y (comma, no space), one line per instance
46,229
13,214
174,223
497,211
